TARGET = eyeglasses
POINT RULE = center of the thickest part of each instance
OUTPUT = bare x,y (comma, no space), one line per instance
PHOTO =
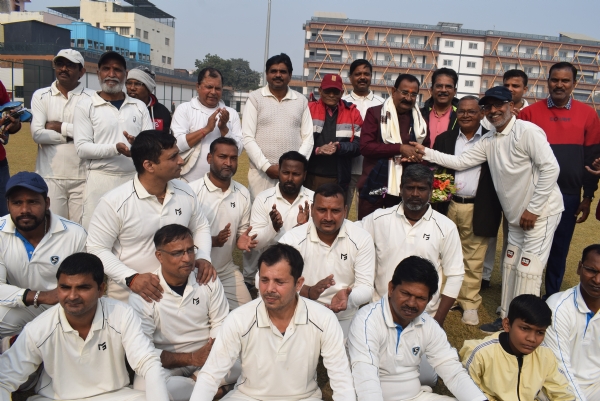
332,91
412,95
179,254
471,113
59,64
135,84
589,272
488,107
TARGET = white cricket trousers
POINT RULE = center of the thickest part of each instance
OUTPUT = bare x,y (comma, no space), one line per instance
98,183
259,181
66,198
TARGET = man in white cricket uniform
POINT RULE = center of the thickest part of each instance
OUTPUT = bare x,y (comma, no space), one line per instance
278,338
52,129
276,120
277,210
99,124
524,171
226,205
575,330
414,228
82,344
126,219
184,324
339,256
202,120
363,98
389,337
33,243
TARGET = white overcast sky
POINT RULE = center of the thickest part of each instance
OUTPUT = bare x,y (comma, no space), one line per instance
236,28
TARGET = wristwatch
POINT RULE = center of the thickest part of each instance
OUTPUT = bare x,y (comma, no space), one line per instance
129,279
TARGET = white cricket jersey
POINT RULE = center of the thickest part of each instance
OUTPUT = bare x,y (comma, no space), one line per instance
434,237
523,167
220,208
182,323
21,270
75,368
362,103
192,116
351,260
56,157
122,229
277,366
99,126
263,204
574,337
385,358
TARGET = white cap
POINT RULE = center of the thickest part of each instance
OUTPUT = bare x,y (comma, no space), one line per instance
71,55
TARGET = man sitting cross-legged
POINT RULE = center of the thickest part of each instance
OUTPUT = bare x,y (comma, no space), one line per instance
82,344
184,324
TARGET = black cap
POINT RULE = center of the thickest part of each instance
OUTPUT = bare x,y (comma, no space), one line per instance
498,93
111,55
25,179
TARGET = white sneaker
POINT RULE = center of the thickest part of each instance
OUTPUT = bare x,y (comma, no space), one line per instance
470,317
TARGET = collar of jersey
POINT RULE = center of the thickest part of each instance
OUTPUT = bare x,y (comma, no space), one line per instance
368,97
195,103
77,91
8,226
98,101
301,194
314,236
290,95
579,301
300,314
212,187
426,216
97,323
509,127
389,319
191,282
141,191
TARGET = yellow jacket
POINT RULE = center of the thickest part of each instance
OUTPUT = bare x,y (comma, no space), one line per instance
503,376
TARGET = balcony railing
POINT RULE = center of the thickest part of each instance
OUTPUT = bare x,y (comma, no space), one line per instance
384,63
544,57
381,43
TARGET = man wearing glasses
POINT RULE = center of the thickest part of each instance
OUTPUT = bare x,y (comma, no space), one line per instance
573,335
475,208
140,84
386,132
52,129
123,226
524,171
336,130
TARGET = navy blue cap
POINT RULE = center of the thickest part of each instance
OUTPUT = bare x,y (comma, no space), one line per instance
112,55
28,180
497,93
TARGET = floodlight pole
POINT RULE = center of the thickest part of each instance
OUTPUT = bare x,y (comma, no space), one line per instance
267,43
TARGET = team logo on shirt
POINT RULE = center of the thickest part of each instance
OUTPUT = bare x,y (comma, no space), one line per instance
102,347
158,124
416,350
426,236
178,212
344,256
54,259
510,253
134,118
232,204
525,262
196,301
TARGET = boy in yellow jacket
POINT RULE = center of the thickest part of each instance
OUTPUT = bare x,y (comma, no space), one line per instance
510,365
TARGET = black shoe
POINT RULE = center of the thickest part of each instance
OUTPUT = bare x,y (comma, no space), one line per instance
493,327
485,284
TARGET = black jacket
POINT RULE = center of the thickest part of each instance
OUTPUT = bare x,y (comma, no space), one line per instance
426,110
487,212
160,115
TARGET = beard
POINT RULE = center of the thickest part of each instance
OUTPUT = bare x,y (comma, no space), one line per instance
415,206
223,174
32,226
111,89
505,118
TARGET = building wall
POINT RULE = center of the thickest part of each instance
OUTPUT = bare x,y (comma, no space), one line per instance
41,16
100,14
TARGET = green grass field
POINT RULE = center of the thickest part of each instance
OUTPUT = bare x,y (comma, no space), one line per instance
21,153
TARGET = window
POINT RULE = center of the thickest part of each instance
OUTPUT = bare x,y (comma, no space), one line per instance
449,43
19,92
472,45
169,60
471,64
97,25
80,42
167,40
164,59
138,32
507,48
145,34
469,83
529,50
447,63
124,30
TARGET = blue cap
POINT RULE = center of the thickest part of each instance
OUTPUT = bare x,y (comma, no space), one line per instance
28,180
497,93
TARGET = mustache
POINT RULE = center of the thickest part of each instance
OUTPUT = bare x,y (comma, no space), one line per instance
111,80
409,309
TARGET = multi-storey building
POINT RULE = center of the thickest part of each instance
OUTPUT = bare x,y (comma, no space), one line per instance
480,58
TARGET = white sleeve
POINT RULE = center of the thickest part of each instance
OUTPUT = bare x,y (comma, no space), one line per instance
103,232
542,156
249,136
180,127
201,229
235,130
11,296
66,129
225,351
21,360
40,134
306,133
364,274
83,132
471,158
261,223
336,361
444,359
218,308
245,221
363,349
156,387
452,264
145,311
147,123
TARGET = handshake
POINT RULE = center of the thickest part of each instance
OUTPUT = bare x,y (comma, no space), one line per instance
412,153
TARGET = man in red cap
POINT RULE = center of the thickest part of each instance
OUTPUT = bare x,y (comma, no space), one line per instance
336,131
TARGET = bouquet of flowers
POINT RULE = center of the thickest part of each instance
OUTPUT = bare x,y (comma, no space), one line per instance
443,186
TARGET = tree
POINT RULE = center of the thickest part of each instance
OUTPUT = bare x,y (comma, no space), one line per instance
236,71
